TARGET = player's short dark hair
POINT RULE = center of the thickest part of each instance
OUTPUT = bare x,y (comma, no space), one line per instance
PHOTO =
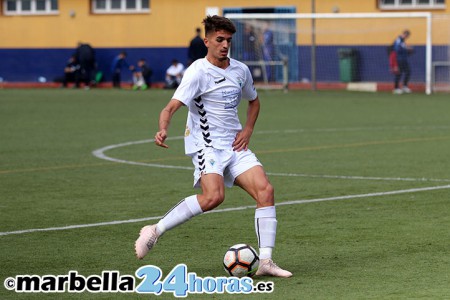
216,23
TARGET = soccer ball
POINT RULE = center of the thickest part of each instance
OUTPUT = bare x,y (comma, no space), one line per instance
241,260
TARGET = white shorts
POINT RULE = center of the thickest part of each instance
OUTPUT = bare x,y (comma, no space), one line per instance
227,163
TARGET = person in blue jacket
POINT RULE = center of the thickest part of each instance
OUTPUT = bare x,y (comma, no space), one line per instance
402,51
119,62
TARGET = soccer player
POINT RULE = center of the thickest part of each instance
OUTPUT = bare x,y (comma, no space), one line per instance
212,88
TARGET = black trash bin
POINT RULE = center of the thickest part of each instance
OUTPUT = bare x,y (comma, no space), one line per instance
348,68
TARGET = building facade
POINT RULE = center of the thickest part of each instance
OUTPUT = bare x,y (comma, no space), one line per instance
38,36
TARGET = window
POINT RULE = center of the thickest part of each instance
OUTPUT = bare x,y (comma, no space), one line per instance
100,5
411,4
26,5
11,6
115,4
120,6
30,7
40,5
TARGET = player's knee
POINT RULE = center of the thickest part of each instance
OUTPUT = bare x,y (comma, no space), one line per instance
266,195
213,200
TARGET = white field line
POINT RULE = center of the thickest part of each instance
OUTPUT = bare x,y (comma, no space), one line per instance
359,177
100,153
352,129
292,202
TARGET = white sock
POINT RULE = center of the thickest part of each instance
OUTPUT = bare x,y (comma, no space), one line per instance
265,253
180,213
266,230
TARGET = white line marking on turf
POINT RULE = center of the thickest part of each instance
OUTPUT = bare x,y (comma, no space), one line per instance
359,177
100,153
351,129
292,202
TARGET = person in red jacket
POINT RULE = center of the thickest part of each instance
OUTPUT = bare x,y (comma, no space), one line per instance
393,63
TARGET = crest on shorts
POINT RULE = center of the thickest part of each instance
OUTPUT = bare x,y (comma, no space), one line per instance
212,162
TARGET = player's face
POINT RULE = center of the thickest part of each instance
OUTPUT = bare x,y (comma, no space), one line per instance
218,44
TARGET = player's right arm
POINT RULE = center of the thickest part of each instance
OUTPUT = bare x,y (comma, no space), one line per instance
164,121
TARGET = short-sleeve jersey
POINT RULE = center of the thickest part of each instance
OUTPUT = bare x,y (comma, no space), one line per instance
212,96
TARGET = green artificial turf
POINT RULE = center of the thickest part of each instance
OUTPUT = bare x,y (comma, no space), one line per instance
362,180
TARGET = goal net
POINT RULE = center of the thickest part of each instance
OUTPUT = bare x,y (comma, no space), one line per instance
334,51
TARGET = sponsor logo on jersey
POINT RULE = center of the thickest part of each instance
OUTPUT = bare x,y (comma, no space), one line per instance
220,80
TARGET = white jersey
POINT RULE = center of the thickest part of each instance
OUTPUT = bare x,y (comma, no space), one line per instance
212,95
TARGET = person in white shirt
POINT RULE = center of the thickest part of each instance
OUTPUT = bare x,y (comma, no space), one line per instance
212,88
174,74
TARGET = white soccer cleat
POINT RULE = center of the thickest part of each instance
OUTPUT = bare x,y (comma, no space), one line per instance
147,239
268,268
406,90
397,92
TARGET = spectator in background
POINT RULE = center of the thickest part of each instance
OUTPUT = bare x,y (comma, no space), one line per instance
71,73
85,55
250,44
268,49
197,48
142,75
402,52
119,62
174,74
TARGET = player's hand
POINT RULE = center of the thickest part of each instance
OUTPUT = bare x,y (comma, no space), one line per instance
160,138
242,140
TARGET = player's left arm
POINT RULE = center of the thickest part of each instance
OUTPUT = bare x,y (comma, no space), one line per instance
243,138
